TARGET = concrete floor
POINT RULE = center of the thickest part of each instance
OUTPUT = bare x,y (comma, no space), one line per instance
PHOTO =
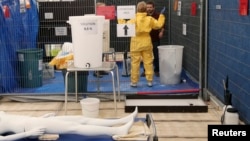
170,126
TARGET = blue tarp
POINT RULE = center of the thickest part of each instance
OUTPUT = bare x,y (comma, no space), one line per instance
56,85
18,31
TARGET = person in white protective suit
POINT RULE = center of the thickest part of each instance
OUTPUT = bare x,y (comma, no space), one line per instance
141,45
32,127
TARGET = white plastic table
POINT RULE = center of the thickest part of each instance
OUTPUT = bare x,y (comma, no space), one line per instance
110,67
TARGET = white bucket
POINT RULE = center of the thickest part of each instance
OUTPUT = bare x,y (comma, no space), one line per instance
90,107
87,39
230,116
170,63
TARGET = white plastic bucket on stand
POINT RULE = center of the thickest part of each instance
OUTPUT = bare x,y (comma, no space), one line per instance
170,63
90,107
87,38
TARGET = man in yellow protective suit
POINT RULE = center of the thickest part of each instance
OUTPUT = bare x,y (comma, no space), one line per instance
141,47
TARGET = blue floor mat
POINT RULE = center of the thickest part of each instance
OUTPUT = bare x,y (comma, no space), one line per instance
104,85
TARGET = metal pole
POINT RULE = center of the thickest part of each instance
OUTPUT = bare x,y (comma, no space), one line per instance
169,21
200,48
205,54
95,7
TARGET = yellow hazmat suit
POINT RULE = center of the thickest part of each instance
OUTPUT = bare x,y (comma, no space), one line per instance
140,45
63,57
61,62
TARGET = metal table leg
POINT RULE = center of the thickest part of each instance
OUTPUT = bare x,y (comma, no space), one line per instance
66,93
118,82
114,90
76,86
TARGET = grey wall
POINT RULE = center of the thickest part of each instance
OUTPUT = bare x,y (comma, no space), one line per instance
191,40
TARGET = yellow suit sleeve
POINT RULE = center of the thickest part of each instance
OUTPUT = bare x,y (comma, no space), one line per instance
157,24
